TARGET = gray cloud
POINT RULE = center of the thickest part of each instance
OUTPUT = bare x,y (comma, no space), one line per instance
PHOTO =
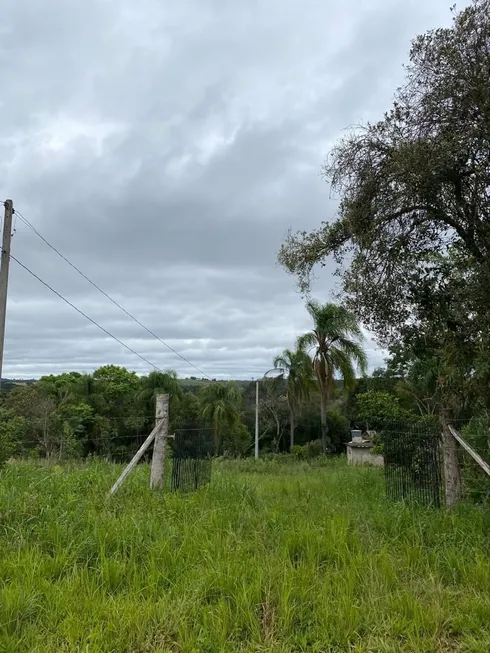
165,148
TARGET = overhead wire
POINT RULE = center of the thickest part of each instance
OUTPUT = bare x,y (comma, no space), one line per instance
111,299
87,317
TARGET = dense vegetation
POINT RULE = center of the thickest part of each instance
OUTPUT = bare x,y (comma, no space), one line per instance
414,216
269,557
412,234
109,412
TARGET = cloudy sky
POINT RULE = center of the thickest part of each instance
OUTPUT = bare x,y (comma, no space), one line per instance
165,147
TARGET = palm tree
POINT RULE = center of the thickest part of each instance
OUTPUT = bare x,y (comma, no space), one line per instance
220,405
299,383
336,339
158,383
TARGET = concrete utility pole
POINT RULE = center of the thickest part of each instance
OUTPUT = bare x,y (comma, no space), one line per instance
274,369
160,444
257,418
4,275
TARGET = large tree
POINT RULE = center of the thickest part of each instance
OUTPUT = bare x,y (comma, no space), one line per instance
414,189
336,342
296,366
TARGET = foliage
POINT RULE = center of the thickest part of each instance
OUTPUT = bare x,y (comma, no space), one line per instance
160,383
72,415
338,430
376,409
414,183
220,406
11,429
412,237
336,340
312,449
308,544
237,441
297,366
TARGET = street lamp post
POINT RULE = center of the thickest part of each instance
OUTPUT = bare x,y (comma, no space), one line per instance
273,369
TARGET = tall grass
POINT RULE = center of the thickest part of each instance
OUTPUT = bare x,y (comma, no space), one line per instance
270,557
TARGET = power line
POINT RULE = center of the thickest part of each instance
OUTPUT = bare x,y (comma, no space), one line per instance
130,315
78,310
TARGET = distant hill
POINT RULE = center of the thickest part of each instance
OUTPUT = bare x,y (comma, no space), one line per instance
194,382
8,384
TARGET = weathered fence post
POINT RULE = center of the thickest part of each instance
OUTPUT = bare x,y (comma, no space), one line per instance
452,470
134,461
476,456
160,444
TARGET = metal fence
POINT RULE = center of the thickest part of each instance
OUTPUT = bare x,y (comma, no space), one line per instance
191,459
475,483
413,463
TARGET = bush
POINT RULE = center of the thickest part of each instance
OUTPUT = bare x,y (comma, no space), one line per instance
299,451
338,431
310,450
11,431
314,449
375,410
237,442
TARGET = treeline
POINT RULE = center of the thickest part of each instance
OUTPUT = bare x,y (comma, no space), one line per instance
412,237
314,398
110,412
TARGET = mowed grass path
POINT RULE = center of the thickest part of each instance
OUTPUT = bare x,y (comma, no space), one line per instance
269,558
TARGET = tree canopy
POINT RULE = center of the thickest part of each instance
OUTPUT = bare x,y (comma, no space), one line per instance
414,212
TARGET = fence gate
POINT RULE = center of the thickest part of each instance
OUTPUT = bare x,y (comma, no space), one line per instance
191,459
413,464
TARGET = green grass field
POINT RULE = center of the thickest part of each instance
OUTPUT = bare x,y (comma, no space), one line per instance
270,557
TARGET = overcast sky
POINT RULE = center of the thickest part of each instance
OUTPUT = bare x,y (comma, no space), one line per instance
166,147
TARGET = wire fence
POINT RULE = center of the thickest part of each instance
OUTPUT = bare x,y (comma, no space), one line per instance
113,438
475,482
413,462
191,459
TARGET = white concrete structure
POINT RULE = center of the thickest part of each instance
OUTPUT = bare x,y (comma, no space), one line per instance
359,452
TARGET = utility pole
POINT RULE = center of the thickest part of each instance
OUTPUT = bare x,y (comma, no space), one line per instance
257,419
274,369
4,275
160,444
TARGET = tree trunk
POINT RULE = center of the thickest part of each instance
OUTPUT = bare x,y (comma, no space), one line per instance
323,413
452,469
217,439
292,427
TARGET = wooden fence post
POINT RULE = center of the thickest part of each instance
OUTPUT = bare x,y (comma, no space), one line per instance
452,469
476,457
160,445
136,458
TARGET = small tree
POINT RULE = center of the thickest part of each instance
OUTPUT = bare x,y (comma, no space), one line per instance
11,433
299,382
336,340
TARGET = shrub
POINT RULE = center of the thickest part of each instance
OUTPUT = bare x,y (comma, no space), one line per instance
11,431
376,409
237,441
308,451
338,430
299,452
314,449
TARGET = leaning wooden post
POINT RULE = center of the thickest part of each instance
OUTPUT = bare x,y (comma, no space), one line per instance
160,445
476,457
138,455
